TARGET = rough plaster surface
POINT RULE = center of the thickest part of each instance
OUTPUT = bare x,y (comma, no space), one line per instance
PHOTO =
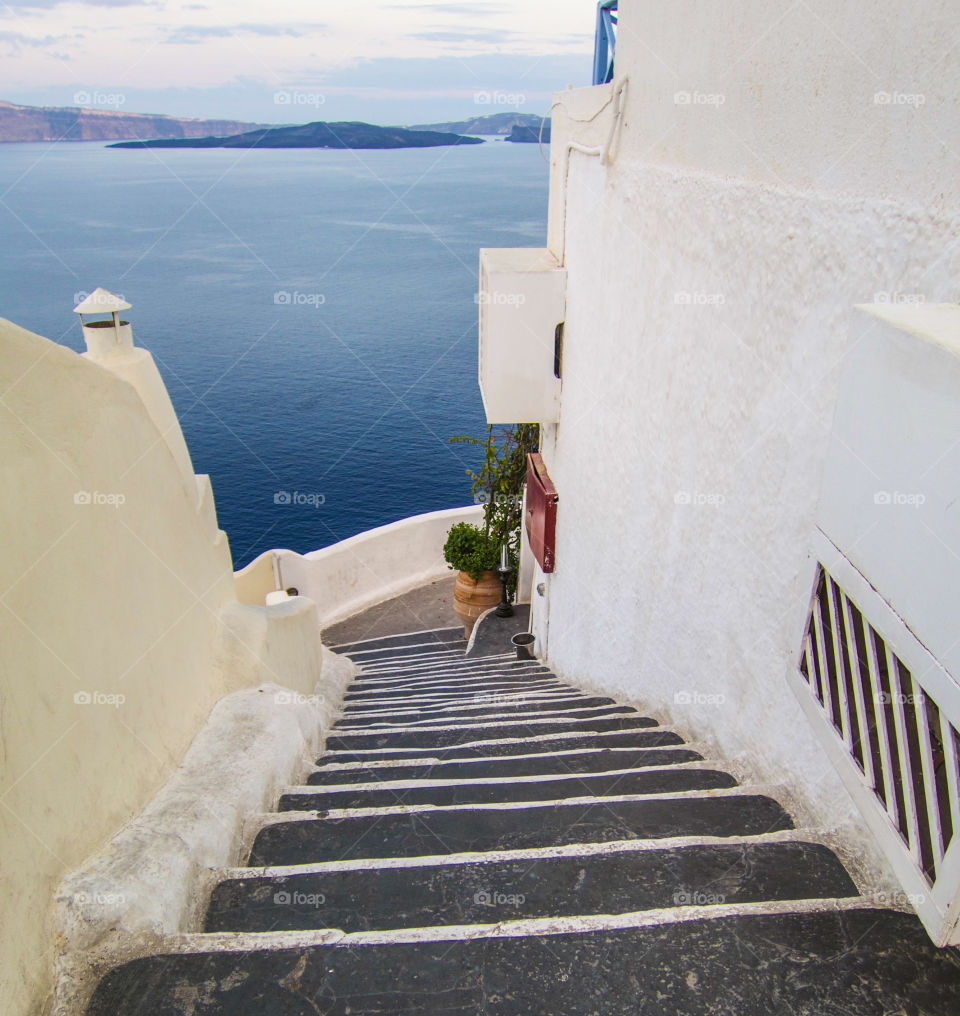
707,320
153,879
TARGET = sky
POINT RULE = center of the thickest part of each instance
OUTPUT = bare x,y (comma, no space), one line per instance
385,61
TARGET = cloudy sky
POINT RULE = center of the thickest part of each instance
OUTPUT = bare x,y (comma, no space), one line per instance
387,61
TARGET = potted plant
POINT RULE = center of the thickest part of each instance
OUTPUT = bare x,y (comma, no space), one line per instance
470,551
473,550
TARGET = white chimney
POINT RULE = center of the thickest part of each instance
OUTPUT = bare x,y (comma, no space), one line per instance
110,344
107,337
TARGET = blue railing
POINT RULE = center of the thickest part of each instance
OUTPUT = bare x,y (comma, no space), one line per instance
605,42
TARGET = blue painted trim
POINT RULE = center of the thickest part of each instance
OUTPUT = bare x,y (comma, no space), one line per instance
605,41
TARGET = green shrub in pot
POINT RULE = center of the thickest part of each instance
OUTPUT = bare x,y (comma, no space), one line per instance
468,549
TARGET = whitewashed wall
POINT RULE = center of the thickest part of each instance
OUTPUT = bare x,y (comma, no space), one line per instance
891,481
354,574
760,189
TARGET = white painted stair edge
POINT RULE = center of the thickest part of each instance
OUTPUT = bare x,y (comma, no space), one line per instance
244,942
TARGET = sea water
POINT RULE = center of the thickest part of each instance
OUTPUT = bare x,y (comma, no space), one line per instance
313,313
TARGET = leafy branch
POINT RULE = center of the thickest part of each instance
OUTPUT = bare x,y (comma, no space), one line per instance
498,483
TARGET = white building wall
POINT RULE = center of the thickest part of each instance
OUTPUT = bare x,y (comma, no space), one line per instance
712,271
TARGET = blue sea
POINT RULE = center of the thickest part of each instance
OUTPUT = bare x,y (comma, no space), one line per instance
312,312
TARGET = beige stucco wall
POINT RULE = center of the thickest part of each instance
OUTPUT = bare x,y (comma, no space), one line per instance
118,630
258,578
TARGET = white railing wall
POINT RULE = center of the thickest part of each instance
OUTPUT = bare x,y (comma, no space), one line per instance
878,669
888,714
366,569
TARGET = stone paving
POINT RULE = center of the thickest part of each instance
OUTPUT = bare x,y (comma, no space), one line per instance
480,837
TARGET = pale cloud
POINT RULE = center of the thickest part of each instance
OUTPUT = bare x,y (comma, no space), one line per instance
194,34
475,35
17,6
206,47
16,41
458,10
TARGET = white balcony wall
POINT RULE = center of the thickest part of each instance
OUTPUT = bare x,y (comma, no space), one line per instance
351,575
891,484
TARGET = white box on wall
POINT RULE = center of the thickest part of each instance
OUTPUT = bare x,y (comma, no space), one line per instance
522,302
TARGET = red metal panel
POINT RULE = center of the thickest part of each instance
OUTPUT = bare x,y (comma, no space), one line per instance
541,514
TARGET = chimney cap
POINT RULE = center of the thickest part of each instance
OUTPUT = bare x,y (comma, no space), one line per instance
101,301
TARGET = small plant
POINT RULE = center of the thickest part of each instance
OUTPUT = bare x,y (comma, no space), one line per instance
468,549
498,486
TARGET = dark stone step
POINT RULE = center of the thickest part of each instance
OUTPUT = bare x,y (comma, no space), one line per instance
474,721
403,654
860,963
451,738
542,676
478,684
445,661
573,701
461,686
483,714
596,785
470,697
653,738
619,883
531,670
453,830
437,636
478,696
435,676
538,765
414,655
492,634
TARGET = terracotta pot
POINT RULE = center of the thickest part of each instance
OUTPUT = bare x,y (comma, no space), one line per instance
471,599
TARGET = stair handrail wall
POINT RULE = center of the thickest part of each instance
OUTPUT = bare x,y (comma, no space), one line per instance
359,572
877,667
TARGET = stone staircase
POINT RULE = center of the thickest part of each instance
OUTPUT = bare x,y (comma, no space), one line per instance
481,838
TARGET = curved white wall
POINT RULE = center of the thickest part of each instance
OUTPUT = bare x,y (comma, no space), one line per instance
712,272
366,569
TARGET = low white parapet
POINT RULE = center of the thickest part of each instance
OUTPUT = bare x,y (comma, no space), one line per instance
358,573
889,499
879,660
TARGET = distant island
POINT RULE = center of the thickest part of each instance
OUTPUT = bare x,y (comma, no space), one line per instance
74,123
147,130
351,134
490,125
531,134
